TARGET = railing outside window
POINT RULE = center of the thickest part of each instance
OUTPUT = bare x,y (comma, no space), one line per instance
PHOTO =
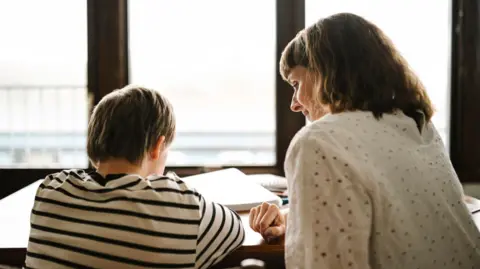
35,134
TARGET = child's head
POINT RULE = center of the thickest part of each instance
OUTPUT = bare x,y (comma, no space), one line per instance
133,124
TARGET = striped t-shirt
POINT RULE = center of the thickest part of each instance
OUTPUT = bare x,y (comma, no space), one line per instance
83,220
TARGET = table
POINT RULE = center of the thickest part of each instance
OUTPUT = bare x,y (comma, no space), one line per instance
15,228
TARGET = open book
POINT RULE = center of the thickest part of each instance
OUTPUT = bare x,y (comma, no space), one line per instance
232,188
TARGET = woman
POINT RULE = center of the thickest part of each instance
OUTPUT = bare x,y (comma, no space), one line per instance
370,182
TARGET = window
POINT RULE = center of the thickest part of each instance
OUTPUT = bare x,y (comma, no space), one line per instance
43,96
43,103
215,60
421,32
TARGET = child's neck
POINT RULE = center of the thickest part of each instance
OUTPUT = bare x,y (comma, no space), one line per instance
120,166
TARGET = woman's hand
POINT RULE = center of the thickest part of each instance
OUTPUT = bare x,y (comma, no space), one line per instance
268,220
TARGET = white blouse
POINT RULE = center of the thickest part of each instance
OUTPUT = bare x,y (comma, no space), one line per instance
367,193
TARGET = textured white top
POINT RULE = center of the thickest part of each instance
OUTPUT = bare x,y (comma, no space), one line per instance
367,193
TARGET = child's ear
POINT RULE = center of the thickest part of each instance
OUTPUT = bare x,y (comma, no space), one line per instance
158,148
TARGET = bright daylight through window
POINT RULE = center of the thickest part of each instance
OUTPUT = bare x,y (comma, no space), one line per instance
43,95
216,64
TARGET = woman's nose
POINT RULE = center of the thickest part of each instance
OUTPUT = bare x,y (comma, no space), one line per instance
295,106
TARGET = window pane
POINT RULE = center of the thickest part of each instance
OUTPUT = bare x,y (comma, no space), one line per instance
43,96
215,61
421,32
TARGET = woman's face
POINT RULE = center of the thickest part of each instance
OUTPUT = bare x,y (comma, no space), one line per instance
305,89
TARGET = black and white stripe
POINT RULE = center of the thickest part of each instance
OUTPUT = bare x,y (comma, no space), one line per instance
127,222
216,229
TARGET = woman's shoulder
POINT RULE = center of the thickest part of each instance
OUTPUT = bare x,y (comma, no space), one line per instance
309,134
338,134
315,136
328,128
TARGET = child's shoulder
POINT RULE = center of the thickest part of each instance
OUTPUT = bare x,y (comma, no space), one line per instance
64,175
171,183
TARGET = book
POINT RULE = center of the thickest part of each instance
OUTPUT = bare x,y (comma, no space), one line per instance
232,188
270,182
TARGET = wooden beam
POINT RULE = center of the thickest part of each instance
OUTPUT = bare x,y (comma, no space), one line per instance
465,90
290,20
107,47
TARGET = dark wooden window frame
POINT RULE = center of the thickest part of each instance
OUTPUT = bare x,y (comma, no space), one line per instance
108,69
465,90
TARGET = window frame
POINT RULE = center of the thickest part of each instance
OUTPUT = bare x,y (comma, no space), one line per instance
465,90
108,69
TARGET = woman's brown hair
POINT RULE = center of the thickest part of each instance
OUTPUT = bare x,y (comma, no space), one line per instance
359,67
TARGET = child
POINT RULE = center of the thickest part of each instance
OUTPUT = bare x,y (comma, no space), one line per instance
124,213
